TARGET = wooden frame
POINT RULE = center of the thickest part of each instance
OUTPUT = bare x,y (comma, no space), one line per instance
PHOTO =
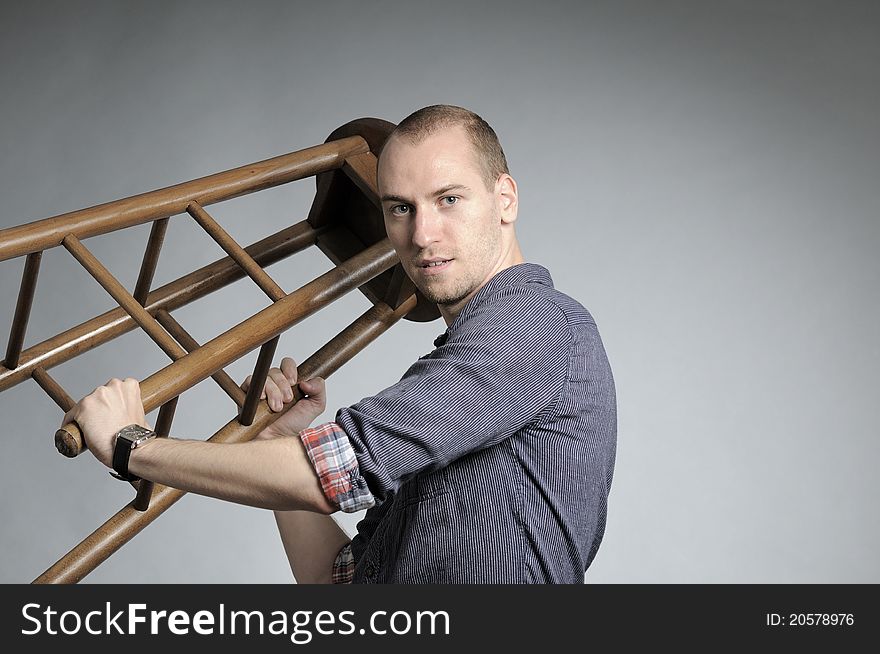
345,222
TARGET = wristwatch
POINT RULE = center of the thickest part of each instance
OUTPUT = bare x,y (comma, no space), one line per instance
127,439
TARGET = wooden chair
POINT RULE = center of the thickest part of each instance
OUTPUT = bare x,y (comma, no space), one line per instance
344,221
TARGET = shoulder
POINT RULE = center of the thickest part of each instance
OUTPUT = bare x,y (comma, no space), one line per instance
517,317
528,306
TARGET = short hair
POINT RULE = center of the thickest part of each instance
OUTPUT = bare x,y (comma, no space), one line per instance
426,121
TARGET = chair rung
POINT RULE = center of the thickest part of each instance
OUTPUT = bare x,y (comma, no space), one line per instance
119,293
23,309
53,389
234,250
150,260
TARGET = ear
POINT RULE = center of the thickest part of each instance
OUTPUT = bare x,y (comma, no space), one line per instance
506,196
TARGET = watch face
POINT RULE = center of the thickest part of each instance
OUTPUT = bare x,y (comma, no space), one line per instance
132,433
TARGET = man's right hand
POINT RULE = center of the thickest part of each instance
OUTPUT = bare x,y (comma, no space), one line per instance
278,393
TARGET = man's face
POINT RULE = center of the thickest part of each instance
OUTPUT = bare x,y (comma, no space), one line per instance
444,223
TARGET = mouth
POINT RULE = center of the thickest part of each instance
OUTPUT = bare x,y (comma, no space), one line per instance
433,266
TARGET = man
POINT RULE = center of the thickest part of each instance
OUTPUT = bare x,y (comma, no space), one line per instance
489,462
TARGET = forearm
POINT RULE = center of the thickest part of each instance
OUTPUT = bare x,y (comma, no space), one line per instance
311,542
272,474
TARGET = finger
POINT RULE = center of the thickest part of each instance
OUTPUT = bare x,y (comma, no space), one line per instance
283,384
288,367
133,387
70,416
316,390
274,396
313,386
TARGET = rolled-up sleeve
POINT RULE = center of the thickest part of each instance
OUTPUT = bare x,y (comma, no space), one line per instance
497,371
333,458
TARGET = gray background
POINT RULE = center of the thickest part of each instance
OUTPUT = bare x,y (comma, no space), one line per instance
702,176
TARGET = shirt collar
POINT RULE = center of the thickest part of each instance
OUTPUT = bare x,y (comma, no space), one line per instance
517,275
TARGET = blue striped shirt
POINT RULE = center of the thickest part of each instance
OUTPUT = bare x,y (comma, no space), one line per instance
491,460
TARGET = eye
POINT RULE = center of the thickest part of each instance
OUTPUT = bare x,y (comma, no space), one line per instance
449,200
399,210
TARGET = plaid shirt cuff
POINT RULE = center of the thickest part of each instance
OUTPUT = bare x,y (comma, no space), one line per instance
333,458
343,566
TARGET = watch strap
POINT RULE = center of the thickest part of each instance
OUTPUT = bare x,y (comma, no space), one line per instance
126,440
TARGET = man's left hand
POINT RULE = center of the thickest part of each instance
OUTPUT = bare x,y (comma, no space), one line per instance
104,412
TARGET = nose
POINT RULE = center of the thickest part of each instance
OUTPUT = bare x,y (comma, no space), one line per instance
426,228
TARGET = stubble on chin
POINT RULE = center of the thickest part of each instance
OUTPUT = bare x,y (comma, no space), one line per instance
445,297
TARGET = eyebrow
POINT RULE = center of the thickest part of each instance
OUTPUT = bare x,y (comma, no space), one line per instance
440,191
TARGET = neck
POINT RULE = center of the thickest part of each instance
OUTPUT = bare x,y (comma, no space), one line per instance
511,257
